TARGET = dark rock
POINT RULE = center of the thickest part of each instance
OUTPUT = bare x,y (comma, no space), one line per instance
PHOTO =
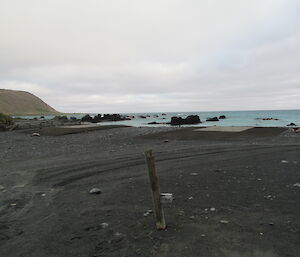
61,118
212,119
87,118
114,117
291,124
142,117
153,123
267,119
163,114
106,117
177,121
222,117
191,119
97,118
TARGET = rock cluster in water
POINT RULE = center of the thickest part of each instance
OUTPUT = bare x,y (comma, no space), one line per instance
105,117
191,119
267,119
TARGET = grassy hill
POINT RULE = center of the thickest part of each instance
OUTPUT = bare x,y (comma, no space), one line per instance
14,102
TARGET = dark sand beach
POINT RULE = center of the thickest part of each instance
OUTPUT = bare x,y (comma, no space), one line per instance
236,194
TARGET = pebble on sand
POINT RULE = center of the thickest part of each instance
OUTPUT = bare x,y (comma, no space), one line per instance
224,221
95,191
104,225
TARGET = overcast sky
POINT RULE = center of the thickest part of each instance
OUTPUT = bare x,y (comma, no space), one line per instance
155,55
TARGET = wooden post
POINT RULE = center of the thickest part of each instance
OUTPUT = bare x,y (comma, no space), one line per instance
159,213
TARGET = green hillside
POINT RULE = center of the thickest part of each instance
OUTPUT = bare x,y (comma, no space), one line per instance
14,102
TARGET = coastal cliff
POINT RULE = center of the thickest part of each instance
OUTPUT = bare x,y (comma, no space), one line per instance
14,102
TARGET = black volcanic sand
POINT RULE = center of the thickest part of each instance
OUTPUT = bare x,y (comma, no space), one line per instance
248,177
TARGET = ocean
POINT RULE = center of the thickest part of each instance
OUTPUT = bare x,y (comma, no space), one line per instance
233,118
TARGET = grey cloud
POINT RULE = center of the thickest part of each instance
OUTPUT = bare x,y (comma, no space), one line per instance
152,55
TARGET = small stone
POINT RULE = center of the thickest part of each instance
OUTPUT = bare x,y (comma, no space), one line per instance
192,217
194,174
166,140
224,221
35,135
190,198
212,209
166,197
95,191
104,225
1,187
150,211
284,161
261,233
202,235
146,214
296,185
259,179
43,194
268,197
271,224
119,236
13,204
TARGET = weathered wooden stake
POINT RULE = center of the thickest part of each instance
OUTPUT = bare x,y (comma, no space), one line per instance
159,213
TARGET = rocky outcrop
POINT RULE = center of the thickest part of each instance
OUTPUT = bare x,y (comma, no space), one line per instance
61,118
6,122
222,117
189,120
212,119
291,124
106,117
87,118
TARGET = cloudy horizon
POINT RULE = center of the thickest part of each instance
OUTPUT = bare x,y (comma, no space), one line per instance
153,56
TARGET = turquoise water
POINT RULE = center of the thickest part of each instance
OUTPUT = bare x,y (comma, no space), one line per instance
233,118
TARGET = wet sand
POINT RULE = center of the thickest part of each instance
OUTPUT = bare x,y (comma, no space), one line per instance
248,179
